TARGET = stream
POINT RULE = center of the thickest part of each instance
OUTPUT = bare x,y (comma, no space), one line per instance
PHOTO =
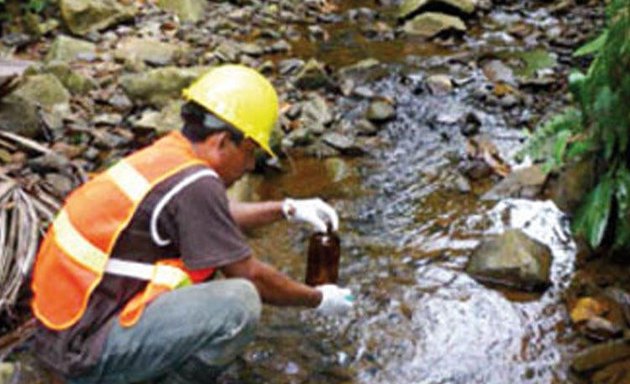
406,235
408,225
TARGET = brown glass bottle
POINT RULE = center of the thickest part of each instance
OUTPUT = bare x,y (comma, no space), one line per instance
323,259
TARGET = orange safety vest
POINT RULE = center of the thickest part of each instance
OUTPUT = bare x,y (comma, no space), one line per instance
74,255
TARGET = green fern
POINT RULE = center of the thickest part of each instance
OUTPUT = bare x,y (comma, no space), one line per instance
599,125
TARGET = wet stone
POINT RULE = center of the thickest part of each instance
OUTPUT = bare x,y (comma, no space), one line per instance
512,259
599,328
525,182
409,7
342,143
600,355
496,71
430,24
380,112
439,85
365,127
312,76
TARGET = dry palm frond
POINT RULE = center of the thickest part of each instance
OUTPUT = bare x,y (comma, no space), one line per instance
22,218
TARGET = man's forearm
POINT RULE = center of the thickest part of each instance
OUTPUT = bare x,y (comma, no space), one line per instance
251,215
274,287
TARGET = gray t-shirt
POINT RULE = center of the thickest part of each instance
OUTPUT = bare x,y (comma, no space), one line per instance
200,229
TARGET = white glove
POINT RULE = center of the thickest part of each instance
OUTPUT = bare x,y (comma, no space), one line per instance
313,211
335,300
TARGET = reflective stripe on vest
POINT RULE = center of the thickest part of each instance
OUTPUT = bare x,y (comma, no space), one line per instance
75,252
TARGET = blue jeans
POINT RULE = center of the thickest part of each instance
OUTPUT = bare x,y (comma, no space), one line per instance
185,336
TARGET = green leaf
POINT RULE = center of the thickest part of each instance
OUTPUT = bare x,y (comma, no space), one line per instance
576,83
622,195
592,46
591,219
579,148
560,145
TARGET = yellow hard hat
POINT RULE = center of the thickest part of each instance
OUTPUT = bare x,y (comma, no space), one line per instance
241,97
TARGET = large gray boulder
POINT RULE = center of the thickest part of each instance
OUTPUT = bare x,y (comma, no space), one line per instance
186,10
408,7
67,49
430,24
84,16
159,86
512,259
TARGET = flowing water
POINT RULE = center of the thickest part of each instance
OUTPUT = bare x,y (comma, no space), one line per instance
407,233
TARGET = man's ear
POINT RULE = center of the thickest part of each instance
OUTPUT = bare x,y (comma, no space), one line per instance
223,139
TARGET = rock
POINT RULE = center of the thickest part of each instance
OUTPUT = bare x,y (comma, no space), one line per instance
409,7
151,51
616,373
364,71
512,259
45,90
19,116
13,67
316,111
157,87
252,49
312,76
570,186
342,143
599,328
622,299
365,127
496,72
167,120
440,85
67,49
290,66
85,16
430,24
380,111
298,137
601,355
186,10
71,80
60,183
525,182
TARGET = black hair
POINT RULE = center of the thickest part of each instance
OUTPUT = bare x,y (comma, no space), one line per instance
199,123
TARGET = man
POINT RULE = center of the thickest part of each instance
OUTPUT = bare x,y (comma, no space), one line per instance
112,278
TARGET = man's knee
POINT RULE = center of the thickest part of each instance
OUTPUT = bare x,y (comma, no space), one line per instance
244,292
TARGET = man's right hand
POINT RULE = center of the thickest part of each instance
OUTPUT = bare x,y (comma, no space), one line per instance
335,300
